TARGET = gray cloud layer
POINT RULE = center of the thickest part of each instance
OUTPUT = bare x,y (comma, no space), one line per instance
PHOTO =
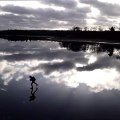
63,3
102,63
105,8
49,18
41,18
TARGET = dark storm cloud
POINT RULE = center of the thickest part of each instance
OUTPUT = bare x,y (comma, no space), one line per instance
20,47
16,9
21,17
61,67
67,64
37,50
17,52
48,18
103,20
63,3
107,9
43,54
102,63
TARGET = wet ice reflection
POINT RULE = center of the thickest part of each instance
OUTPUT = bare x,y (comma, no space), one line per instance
47,60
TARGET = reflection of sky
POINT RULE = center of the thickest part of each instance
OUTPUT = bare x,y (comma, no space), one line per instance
46,60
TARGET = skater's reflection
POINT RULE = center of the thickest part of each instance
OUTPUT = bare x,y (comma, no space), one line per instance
33,90
32,97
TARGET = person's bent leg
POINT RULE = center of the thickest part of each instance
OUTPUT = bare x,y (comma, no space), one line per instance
36,83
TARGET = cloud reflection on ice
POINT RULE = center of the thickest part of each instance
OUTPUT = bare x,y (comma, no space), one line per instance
98,71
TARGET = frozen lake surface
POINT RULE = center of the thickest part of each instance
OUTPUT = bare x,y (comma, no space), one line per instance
75,81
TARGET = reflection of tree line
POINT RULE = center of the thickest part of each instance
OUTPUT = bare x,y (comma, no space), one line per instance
74,46
25,38
95,47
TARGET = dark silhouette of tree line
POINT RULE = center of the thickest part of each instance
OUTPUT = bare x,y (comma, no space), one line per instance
75,32
99,28
75,46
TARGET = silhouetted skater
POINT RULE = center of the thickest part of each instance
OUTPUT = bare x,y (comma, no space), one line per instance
32,97
32,79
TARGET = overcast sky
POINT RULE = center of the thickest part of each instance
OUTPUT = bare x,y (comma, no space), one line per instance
58,14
